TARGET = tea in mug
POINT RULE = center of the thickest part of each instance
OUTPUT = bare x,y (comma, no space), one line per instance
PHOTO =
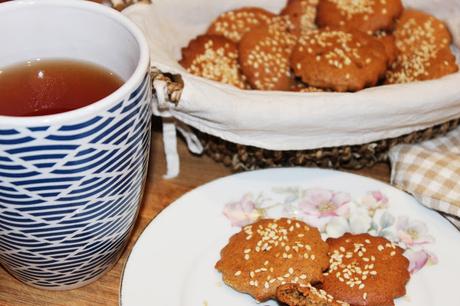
52,86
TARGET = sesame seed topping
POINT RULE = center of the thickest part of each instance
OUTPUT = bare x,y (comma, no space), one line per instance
419,38
234,24
335,47
284,264
219,63
350,8
269,58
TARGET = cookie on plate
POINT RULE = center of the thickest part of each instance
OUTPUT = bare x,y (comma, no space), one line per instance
264,55
339,60
366,270
269,253
302,14
234,24
296,295
215,58
365,15
423,43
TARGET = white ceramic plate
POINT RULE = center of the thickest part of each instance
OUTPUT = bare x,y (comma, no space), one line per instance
172,263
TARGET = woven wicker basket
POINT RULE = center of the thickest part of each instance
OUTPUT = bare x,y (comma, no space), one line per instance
241,158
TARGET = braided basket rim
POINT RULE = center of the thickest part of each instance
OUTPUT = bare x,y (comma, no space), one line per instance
242,158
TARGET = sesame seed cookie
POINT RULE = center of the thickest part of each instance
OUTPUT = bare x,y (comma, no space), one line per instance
339,60
389,42
295,295
423,43
269,253
234,24
414,67
302,14
416,30
366,270
365,15
264,55
215,58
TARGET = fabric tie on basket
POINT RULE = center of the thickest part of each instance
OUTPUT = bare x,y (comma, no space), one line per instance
430,171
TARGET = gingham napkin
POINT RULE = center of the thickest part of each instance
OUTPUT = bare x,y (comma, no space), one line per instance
430,171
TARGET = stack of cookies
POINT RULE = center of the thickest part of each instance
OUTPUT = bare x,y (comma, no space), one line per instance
322,45
286,260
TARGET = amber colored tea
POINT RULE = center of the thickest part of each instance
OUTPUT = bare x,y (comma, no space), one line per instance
46,87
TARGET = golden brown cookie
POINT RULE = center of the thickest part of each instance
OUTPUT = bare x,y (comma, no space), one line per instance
215,58
365,15
424,53
416,30
415,67
269,253
234,24
339,60
302,14
264,55
295,295
389,42
366,270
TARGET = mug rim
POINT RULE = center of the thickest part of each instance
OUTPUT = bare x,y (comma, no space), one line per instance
119,94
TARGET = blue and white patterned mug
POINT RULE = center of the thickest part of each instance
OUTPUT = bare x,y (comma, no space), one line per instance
71,183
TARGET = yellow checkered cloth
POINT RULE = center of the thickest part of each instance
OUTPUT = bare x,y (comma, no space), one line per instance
430,171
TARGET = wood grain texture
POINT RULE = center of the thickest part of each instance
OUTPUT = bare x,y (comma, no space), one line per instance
159,193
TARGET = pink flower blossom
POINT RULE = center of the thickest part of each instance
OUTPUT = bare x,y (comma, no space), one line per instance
242,212
419,259
324,203
375,200
413,232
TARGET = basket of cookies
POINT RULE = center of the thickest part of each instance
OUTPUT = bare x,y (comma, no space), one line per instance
331,83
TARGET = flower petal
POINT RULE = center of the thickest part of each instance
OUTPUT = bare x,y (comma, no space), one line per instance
340,198
417,259
337,227
243,212
318,195
387,220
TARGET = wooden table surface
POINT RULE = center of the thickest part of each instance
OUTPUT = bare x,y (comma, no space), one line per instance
159,193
